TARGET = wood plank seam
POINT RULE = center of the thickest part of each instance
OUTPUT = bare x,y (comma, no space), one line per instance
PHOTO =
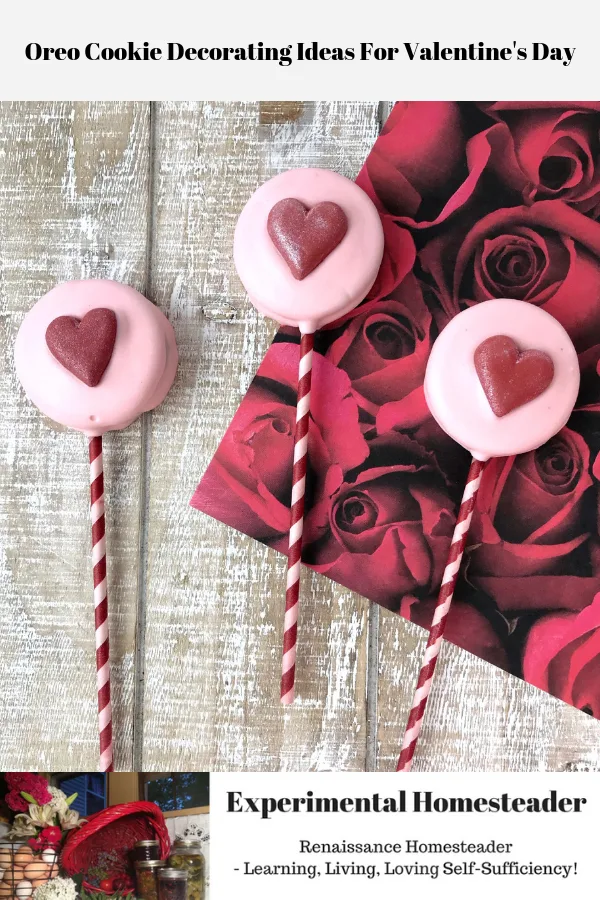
139,665
211,598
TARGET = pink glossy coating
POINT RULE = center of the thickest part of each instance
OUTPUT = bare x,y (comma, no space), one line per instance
457,400
337,284
138,377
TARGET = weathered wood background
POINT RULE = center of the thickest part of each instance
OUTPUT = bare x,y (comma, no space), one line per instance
149,195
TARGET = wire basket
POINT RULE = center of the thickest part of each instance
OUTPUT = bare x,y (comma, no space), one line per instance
24,870
106,840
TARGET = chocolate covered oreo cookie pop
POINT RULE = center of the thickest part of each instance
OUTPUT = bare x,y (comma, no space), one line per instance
502,379
93,356
308,246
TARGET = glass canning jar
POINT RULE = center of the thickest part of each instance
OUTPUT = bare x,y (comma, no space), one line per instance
173,884
146,881
145,850
187,855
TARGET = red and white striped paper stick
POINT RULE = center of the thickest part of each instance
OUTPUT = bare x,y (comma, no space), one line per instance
100,604
440,616
292,593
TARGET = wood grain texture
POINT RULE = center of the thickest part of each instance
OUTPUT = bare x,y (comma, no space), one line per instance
111,190
215,598
73,201
478,718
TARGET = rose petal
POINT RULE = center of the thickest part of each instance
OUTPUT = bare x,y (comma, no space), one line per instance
518,594
557,651
251,513
403,172
529,511
382,574
479,150
466,627
404,415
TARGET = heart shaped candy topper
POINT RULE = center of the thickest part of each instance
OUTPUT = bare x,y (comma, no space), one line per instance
84,346
510,377
304,237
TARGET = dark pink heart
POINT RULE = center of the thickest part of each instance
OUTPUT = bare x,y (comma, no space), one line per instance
304,237
509,377
84,346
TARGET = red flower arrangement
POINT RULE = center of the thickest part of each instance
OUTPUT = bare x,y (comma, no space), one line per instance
48,837
20,783
477,201
43,813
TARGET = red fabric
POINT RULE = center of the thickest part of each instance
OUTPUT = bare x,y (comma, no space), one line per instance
477,201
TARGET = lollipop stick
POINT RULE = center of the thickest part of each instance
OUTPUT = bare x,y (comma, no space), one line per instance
440,616
292,593
100,604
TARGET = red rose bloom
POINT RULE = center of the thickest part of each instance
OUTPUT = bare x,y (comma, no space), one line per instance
557,147
562,656
51,835
16,802
390,523
424,166
385,350
547,254
528,522
254,461
466,627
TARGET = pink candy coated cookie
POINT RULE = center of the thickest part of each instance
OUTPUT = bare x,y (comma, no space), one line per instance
139,362
468,374
342,278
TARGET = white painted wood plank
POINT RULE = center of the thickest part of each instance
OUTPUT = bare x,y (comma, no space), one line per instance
73,203
215,598
479,718
73,198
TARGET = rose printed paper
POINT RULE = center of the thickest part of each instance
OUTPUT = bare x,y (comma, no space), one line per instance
477,201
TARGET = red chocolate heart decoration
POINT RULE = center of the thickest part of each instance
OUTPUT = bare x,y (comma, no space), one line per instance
84,346
305,237
509,377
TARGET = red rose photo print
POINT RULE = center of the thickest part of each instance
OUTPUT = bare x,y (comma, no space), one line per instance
478,201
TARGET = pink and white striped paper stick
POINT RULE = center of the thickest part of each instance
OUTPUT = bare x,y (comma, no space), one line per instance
100,604
440,616
292,594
